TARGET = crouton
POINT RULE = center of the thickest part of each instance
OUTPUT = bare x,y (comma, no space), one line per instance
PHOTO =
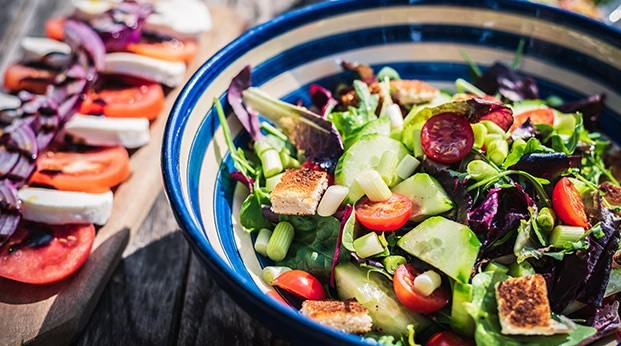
524,309
348,316
412,91
299,192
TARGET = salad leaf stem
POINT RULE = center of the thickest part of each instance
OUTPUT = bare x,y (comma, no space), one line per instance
473,66
274,131
518,54
239,160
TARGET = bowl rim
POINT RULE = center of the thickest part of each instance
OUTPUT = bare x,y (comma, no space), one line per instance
273,312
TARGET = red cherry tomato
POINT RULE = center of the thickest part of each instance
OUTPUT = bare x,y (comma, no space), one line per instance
568,204
118,98
447,339
93,171
19,77
65,253
403,284
387,215
542,115
447,137
300,283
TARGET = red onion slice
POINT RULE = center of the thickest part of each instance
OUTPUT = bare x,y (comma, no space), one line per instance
10,210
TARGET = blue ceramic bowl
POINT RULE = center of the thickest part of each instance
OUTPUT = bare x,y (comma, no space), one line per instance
570,56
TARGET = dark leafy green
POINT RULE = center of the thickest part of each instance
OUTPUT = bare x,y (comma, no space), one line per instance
251,214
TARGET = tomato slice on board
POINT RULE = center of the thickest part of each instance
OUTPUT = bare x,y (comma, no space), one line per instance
447,137
93,171
54,28
387,215
300,283
170,50
447,338
541,115
568,205
125,100
19,77
68,248
403,284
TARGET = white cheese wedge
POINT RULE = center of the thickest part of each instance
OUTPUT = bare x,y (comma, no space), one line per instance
98,130
36,48
160,71
64,207
8,101
180,19
89,9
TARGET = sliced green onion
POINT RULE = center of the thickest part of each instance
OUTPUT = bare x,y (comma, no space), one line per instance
492,127
280,241
480,132
521,269
355,192
271,182
494,266
465,87
497,151
263,238
407,166
427,282
373,186
274,131
270,161
262,146
392,262
387,166
396,117
288,161
480,170
563,234
545,220
388,72
332,199
368,245
269,273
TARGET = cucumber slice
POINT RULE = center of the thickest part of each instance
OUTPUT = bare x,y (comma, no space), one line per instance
461,321
365,154
380,126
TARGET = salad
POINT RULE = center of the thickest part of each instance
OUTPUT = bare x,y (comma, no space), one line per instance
77,105
412,215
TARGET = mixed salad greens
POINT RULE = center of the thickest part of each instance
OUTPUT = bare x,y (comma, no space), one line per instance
435,197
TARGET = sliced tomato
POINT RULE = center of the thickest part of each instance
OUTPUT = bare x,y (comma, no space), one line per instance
54,28
387,215
42,254
19,77
403,284
170,50
447,338
447,137
93,171
119,99
541,115
568,204
300,283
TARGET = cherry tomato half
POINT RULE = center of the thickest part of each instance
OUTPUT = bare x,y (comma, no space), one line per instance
403,284
447,137
387,215
447,339
66,252
172,50
300,283
568,204
19,77
541,115
93,171
119,99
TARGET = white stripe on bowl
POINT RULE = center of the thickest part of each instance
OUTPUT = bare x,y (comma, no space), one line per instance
291,80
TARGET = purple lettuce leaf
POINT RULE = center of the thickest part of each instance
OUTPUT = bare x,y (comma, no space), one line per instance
240,177
606,320
455,187
525,131
246,115
590,107
547,165
322,99
308,131
363,72
499,78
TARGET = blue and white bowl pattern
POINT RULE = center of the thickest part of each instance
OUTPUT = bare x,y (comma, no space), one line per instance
570,56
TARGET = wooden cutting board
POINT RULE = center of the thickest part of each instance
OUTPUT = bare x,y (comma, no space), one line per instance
56,313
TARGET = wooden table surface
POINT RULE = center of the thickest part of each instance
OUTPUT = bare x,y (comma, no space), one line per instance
159,294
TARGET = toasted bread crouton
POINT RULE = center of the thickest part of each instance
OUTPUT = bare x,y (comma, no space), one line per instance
299,192
524,309
348,316
412,91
